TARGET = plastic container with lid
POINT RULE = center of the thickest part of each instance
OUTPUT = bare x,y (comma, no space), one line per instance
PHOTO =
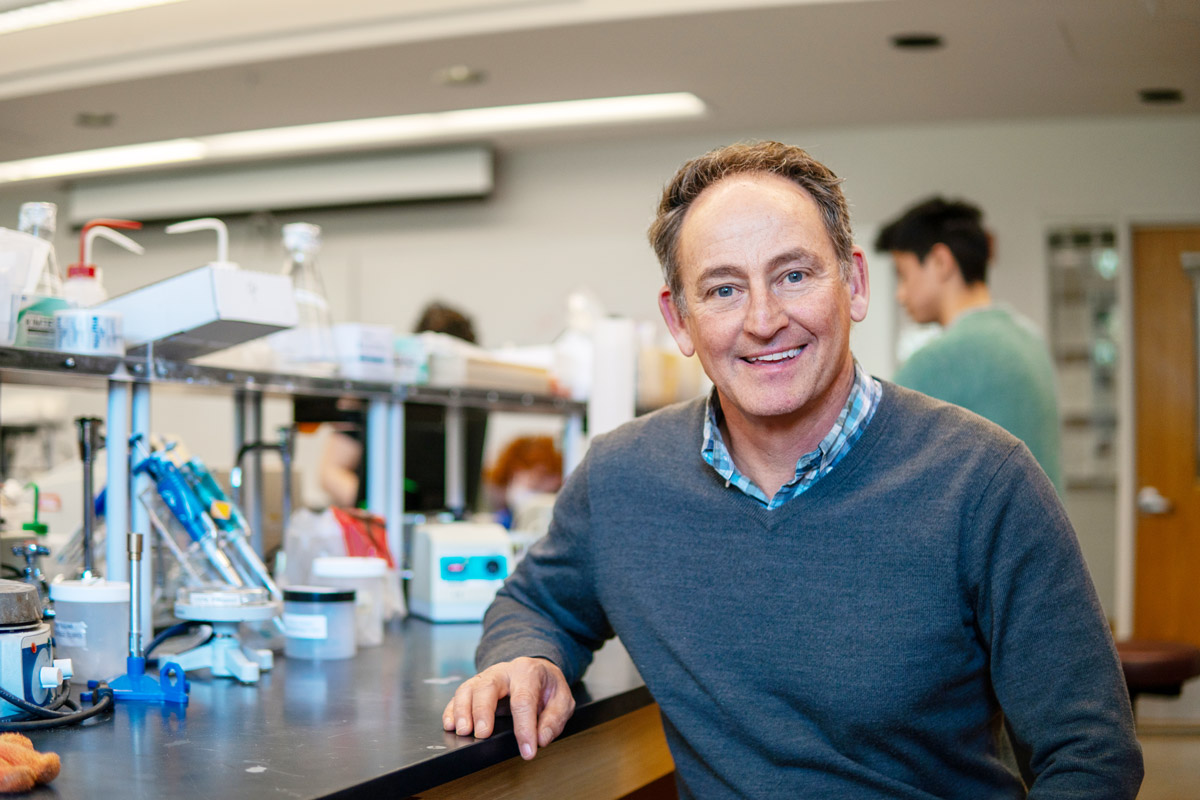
319,622
368,578
91,627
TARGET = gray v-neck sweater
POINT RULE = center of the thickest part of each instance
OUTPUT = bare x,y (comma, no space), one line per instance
860,641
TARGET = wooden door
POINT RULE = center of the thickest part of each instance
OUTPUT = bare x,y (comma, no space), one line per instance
1167,577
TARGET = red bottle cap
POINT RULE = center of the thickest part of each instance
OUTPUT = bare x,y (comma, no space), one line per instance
81,271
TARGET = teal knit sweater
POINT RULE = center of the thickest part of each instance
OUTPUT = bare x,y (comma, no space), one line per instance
862,640
994,363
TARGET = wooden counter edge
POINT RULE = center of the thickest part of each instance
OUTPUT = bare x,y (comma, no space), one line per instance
601,763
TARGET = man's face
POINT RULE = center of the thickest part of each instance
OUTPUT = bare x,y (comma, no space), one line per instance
768,313
918,288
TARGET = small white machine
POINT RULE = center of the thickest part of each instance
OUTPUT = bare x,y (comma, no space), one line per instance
28,669
457,568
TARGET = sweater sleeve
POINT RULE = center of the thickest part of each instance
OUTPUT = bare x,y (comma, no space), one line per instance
548,608
1053,663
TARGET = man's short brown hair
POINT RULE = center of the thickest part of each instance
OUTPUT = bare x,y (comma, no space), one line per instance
771,158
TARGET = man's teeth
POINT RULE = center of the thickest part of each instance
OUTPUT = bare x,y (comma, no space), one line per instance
777,356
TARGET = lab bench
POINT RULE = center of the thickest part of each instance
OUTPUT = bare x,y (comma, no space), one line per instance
364,727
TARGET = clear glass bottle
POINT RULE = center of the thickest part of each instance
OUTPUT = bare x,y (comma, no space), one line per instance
41,220
35,326
309,347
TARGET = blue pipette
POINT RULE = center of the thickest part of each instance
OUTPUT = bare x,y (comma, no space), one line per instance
174,490
228,517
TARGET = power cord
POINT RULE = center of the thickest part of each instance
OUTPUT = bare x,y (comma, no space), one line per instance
35,717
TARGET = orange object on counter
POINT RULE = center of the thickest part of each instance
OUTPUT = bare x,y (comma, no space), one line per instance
21,766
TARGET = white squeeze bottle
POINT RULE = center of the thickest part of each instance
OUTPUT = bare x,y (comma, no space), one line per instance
83,286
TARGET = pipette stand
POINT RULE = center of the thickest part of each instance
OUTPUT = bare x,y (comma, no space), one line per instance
135,686
224,655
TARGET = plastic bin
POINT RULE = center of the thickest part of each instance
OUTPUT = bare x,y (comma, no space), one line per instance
319,622
91,627
368,578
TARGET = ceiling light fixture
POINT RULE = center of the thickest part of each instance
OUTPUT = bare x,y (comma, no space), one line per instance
1160,97
108,159
459,75
363,133
56,12
95,119
917,41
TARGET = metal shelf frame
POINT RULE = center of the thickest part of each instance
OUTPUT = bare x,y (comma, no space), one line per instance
129,380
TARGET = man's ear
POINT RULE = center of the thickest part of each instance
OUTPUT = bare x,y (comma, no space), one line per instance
675,322
860,285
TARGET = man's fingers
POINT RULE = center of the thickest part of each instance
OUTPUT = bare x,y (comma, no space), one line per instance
523,703
538,699
460,709
473,707
483,706
558,707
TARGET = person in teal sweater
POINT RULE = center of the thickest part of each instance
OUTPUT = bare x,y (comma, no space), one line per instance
988,358
832,586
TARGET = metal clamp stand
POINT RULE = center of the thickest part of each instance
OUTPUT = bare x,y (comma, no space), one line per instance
32,573
136,685
89,444
284,447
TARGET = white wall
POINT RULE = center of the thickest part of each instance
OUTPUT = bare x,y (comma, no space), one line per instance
567,216
571,216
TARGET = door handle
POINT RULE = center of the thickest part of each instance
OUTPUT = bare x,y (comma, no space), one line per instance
1150,502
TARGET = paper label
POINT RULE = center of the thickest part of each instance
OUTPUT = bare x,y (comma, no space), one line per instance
306,626
70,634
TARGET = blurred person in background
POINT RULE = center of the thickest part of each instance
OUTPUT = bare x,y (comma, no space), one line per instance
988,358
529,467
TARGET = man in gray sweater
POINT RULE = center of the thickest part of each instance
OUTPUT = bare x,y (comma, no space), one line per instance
832,586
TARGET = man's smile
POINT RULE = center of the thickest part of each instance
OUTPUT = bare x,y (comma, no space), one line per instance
782,355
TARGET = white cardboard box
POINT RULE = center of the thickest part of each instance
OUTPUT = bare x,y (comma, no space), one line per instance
205,310
364,351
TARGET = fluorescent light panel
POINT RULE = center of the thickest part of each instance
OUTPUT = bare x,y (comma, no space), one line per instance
59,11
347,134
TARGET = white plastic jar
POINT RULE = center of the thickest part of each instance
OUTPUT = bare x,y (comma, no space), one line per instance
318,622
91,627
368,578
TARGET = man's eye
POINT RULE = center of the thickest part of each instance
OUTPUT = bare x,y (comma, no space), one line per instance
724,291
795,276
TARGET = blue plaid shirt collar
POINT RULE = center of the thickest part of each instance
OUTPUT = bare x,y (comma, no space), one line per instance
851,422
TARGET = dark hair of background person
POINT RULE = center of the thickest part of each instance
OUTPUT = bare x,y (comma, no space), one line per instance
441,318
772,158
954,223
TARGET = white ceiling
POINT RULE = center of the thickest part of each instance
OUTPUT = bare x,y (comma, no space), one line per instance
211,66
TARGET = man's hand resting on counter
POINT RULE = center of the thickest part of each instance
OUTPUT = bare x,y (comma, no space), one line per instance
538,698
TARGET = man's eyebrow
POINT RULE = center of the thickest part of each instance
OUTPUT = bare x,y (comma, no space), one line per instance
719,272
800,254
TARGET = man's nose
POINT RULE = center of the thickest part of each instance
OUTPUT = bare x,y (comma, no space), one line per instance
765,316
